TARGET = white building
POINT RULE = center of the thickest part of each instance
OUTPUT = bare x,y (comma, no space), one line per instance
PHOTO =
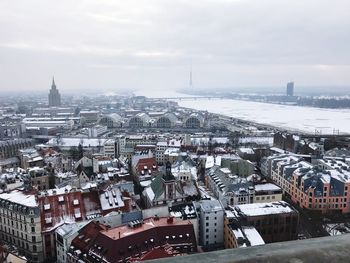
109,148
211,224
97,131
64,236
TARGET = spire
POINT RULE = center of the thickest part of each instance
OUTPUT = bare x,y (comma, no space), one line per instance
53,83
191,76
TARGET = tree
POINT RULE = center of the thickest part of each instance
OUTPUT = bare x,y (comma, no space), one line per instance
80,151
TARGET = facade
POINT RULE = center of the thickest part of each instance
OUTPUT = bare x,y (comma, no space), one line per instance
167,120
10,148
58,206
30,158
290,88
112,120
96,131
323,191
54,96
194,121
228,188
267,193
323,187
140,120
161,147
64,236
11,130
39,178
109,148
20,224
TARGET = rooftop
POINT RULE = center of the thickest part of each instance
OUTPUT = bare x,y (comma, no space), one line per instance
127,230
19,197
267,187
260,209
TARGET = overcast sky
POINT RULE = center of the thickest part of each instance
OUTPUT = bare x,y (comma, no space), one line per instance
134,44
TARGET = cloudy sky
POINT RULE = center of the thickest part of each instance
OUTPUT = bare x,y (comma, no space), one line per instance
110,45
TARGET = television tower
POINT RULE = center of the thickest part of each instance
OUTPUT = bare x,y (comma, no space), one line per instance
191,84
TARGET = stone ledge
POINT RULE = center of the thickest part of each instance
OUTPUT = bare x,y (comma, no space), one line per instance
325,249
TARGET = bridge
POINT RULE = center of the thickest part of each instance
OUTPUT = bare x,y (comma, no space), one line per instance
190,98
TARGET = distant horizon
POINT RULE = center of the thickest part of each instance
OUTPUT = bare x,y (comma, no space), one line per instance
312,90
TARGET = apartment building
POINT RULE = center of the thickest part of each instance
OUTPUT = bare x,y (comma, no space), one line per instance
275,221
20,224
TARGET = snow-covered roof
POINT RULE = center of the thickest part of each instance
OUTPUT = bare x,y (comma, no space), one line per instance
20,197
253,236
110,199
209,162
70,142
267,187
246,150
259,209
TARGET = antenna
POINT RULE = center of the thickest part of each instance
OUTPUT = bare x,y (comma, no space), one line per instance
191,83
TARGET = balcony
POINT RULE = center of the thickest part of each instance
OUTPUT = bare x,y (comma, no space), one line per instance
324,249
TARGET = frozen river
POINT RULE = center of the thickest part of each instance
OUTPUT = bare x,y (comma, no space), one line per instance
307,119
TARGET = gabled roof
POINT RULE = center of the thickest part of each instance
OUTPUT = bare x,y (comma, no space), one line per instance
157,186
87,170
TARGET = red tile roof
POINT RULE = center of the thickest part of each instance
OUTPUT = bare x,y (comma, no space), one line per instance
60,208
149,162
147,236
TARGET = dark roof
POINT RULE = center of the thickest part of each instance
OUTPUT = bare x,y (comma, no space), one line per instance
157,186
89,171
87,235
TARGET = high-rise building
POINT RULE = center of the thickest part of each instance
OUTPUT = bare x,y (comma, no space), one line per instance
290,88
54,96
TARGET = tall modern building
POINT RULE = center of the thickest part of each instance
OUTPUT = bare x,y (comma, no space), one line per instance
54,96
290,88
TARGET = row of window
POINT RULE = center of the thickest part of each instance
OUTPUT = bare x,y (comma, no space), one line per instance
258,198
